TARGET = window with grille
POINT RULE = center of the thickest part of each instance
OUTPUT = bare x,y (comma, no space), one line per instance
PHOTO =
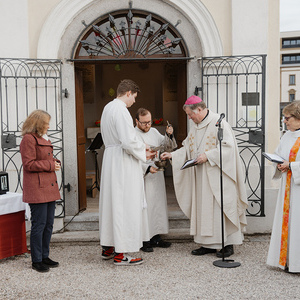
291,58
292,80
291,43
292,96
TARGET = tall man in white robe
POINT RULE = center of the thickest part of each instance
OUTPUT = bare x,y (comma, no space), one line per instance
198,188
123,222
155,188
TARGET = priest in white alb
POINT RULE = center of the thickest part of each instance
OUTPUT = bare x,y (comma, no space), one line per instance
285,238
155,188
198,188
123,223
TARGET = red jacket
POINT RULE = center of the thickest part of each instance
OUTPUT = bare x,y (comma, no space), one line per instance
39,178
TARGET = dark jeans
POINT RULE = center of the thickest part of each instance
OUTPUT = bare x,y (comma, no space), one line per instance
42,219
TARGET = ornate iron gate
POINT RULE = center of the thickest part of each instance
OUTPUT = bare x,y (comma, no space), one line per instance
235,85
26,85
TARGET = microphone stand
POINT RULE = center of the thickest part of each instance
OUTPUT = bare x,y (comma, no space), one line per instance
224,263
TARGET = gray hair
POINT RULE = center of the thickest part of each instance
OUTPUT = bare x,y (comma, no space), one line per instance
293,109
201,104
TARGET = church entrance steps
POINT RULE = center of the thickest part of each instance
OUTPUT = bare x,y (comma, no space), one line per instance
87,222
85,226
83,237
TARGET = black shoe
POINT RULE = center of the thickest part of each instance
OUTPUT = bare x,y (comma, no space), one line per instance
203,251
160,243
147,247
228,251
156,241
50,263
40,267
286,269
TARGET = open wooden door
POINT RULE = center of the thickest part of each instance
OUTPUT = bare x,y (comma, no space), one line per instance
81,139
181,98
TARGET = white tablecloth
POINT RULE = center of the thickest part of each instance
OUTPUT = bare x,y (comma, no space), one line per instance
12,202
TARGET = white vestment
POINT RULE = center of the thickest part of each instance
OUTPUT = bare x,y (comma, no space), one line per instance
122,214
155,188
293,258
198,188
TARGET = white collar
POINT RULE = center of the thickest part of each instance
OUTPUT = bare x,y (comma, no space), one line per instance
45,136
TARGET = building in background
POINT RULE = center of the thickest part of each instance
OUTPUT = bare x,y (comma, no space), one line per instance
289,68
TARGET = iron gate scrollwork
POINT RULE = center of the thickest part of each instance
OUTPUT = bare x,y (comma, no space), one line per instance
235,85
26,85
132,34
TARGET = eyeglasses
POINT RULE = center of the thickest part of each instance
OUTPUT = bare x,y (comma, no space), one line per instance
287,118
145,123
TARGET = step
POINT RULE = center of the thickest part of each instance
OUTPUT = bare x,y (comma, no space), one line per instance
83,237
178,235
82,222
75,237
90,221
177,220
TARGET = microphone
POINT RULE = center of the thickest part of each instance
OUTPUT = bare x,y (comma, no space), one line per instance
222,116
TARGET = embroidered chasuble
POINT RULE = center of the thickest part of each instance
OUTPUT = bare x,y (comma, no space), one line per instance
198,188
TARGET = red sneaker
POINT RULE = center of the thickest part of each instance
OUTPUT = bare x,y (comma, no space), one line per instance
121,260
108,253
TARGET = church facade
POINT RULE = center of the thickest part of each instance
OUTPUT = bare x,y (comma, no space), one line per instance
68,56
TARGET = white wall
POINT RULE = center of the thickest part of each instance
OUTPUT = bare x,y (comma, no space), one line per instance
249,27
14,29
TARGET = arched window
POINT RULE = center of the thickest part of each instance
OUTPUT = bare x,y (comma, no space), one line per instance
131,34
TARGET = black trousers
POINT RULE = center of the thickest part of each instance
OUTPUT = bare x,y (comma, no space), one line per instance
42,219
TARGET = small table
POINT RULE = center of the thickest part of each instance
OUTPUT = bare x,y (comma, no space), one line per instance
12,225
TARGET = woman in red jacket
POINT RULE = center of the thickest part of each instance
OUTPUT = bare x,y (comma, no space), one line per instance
40,188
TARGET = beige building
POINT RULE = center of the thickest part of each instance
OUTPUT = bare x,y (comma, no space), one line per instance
69,56
289,67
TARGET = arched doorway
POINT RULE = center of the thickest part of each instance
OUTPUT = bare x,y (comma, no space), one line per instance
128,44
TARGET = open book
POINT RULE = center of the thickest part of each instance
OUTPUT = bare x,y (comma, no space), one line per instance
189,163
273,157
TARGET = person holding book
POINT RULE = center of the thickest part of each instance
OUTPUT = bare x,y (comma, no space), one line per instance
123,223
197,188
155,188
285,241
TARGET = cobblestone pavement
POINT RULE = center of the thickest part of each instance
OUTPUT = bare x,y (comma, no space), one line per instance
171,273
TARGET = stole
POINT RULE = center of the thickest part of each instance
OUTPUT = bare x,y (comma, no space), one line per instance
286,207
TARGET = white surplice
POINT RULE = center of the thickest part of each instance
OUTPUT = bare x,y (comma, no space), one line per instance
155,188
122,211
198,188
293,258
